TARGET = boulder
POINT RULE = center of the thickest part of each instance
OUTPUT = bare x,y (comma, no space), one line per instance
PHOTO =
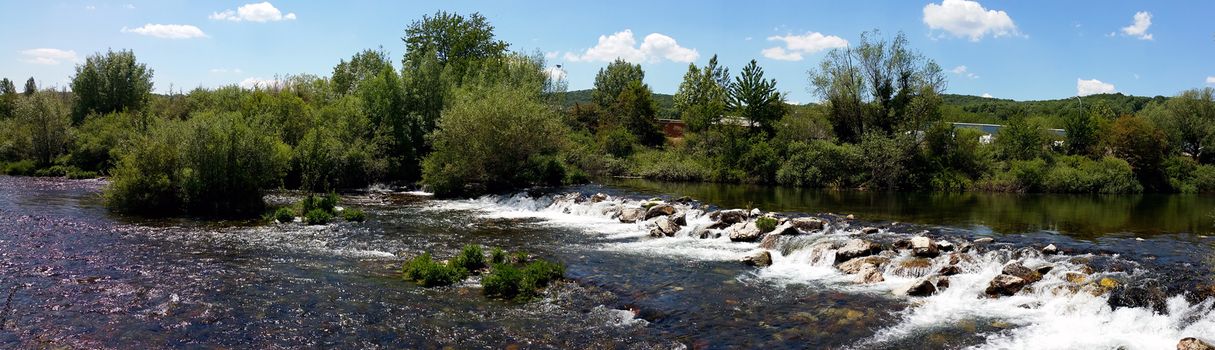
855,265
942,283
1022,272
769,241
680,218
702,232
819,251
745,232
1192,343
598,197
659,210
984,240
807,224
756,212
919,288
869,273
760,258
945,246
1050,250
856,248
913,267
924,247
1148,295
631,215
683,200
730,217
1005,285
870,230
949,270
783,229
664,227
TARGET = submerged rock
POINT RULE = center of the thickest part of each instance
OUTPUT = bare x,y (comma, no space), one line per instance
855,248
659,210
949,270
855,265
912,267
984,240
869,273
745,232
631,215
760,258
1005,285
1191,343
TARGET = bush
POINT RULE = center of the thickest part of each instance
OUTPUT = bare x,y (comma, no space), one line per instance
669,165
539,273
820,164
18,168
325,203
354,215
510,282
1078,174
318,217
497,256
502,281
284,215
426,272
148,173
617,141
765,224
471,258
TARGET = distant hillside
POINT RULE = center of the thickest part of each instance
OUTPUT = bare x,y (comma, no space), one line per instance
665,102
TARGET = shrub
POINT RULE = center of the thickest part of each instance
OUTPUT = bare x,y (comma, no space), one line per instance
318,217
539,273
471,258
354,215
497,256
669,165
426,272
510,282
820,164
74,173
18,168
765,224
148,173
617,141
502,281
284,215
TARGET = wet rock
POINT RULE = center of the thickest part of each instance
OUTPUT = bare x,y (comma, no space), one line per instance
1075,277
945,246
729,217
869,273
598,197
958,258
659,210
984,240
949,270
745,232
819,251
769,241
573,197
870,230
942,283
856,248
1149,295
1044,269
784,229
855,265
1050,250
631,215
683,200
807,224
1192,343
680,218
760,258
664,226
1005,285
850,217
913,267
919,288
756,212
924,247
702,232
1022,272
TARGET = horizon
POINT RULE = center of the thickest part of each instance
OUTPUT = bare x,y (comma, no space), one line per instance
1133,49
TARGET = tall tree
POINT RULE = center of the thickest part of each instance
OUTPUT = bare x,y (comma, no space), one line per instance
1189,120
347,75
635,111
1081,132
113,82
755,99
613,80
878,86
30,87
46,121
701,98
8,98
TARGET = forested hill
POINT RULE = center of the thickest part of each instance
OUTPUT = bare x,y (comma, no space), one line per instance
969,108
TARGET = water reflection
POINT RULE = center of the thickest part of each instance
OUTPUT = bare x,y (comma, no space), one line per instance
1084,216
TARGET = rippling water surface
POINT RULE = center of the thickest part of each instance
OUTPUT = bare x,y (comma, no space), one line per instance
73,274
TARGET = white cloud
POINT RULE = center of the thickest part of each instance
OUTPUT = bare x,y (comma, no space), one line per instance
90,7
798,45
964,18
555,73
963,71
130,6
1211,80
1093,86
48,56
987,95
551,55
259,12
168,31
654,48
1138,29
259,83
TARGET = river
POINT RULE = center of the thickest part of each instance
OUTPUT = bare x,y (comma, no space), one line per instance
73,274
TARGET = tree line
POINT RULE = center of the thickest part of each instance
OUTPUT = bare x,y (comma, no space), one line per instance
466,116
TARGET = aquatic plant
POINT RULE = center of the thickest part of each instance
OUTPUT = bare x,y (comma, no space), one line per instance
471,258
426,272
354,215
508,281
765,224
497,256
318,217
284,215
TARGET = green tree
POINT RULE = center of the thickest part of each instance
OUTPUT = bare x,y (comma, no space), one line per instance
1081,132
1143,146
613,80
878,86
635,111
348,75
1022,139
1189,120
113,82
755,99
701,98
30,87
44,118
8,98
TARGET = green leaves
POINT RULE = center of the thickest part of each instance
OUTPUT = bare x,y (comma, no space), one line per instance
113,82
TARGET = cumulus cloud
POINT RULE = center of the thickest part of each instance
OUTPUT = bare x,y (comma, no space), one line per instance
1092,87
259,83
798,45
963,71
1138,29
259,12
654,48
1211,80
987,95
48,56
167,31
965,18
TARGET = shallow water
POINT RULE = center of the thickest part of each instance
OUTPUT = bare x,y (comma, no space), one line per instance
80,276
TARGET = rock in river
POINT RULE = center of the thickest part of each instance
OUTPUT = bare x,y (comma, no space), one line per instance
1005,285
1192,343
855,265
659,210
664,226
807,224
631,215
729,217
924,247
760,258
856,248
745,233
869,274
1022,272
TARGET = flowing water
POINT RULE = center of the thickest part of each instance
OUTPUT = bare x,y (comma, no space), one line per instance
74,275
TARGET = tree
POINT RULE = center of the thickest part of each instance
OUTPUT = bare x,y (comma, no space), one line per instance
451,39
1142,145
755,99
613,80
347,76
1082,131
1022,139
8,98
46,121
701,98
113,82
30,87
1189,120
635,111
878,86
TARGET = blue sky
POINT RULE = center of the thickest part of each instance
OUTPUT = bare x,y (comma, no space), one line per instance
1009,49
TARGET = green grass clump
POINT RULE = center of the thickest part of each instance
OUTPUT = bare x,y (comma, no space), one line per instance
765,224
497,256
509,281
426,272
471,258
354,215
318,217
284,215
